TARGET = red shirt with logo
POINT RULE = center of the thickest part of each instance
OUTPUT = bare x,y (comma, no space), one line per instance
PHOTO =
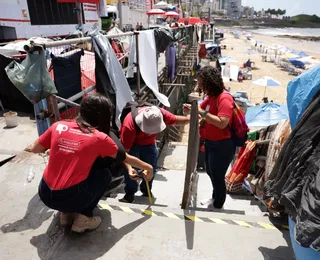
128,132
221,106
72,153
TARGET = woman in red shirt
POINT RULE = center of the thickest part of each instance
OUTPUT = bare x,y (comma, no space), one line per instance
79,168
217,111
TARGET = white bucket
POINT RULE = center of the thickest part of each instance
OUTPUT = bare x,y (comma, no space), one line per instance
11,119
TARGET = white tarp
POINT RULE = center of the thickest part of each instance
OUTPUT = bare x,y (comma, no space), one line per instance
148,64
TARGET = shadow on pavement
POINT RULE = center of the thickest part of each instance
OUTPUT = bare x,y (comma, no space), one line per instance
189,228
281,252
35,215
63,245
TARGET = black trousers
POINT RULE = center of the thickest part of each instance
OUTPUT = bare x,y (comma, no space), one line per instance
218,156
81,198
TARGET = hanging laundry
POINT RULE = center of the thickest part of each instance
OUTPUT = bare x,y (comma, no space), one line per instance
148,64
132,58
109,71
163,38
67,73
171,61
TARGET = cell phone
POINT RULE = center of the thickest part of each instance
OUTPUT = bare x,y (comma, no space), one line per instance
140,174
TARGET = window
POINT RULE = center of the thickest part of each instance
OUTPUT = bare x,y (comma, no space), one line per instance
49,12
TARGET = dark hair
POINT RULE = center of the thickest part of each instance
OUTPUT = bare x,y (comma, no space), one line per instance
212,83
95,113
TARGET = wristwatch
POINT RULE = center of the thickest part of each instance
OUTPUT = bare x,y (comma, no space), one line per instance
203,114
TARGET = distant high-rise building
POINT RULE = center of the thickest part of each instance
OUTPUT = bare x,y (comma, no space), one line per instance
234,8
222,4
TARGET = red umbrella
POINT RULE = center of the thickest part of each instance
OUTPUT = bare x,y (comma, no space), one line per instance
171,14
155,12
80,1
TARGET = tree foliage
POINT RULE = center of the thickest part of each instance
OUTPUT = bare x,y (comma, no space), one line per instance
276,12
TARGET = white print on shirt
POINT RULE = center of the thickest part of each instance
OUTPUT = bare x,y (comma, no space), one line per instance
67,145
79,132
61,128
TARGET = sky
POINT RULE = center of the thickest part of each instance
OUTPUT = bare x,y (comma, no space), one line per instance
293,7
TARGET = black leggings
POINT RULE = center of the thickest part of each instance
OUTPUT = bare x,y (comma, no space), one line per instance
81,198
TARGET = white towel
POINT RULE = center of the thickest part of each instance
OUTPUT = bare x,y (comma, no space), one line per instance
148,64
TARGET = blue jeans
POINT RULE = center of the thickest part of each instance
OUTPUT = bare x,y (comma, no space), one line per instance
300,252
148,154
218,156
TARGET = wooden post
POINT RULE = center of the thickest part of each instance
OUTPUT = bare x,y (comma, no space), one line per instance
192,155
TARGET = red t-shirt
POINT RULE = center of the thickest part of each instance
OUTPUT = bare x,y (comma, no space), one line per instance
72,153
128,132
220,106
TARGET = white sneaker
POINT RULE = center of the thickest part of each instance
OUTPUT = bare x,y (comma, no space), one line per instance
207,202
82,223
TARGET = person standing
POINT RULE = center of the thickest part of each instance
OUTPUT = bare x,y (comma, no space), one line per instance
217,111
141,142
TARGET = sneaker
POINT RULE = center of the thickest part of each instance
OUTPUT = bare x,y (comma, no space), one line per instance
66,219
128,198
206,202
82,223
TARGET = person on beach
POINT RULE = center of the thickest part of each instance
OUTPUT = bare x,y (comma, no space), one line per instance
217,111
79,168
150,120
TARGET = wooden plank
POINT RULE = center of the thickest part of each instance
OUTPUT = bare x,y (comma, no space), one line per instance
192,155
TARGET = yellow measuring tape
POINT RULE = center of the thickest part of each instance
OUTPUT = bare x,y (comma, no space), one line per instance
148,189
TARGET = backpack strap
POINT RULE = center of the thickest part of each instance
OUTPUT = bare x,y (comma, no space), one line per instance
134,114
121,154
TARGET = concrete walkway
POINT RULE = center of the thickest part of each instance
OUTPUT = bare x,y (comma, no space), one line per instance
30,230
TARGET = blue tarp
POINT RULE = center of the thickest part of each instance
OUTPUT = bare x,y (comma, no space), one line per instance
300,91
266,114
297,63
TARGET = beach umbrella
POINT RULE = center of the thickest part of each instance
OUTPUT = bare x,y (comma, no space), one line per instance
156,12
171,14
302,54
162,4
266,82
266,114
290,55
226,59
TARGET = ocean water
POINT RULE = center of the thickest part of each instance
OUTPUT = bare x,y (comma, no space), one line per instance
289,31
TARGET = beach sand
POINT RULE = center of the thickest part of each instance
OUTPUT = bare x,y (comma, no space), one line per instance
255,92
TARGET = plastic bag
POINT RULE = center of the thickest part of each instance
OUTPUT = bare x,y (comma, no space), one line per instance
31,77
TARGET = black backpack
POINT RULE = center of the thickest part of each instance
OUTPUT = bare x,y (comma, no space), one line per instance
133,108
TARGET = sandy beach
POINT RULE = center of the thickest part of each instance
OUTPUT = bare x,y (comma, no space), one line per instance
256,93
